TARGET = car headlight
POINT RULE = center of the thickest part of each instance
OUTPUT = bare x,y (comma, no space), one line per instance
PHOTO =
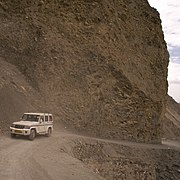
12,125
27,127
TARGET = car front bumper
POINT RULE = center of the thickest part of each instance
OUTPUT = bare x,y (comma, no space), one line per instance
24,132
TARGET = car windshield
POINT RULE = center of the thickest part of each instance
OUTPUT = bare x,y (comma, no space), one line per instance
30,117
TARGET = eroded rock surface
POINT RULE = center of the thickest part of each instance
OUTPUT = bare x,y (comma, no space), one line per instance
100,65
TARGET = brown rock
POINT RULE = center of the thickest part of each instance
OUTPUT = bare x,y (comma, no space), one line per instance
111,59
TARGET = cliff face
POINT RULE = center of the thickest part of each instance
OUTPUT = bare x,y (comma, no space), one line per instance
100,65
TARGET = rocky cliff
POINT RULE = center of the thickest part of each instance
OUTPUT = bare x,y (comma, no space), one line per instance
99,65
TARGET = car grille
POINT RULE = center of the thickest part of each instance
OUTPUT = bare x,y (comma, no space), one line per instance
19,126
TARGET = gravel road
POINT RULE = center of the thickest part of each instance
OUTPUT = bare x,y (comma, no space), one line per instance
41,159
51,158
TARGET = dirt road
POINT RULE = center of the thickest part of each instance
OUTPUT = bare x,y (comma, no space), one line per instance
42,159
48,158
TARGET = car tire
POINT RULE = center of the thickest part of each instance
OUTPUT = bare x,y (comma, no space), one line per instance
49,132
13,135
32,135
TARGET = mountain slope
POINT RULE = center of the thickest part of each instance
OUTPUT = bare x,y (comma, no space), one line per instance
100,66
16,95
171,123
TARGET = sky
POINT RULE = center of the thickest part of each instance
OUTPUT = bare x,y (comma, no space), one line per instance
170,16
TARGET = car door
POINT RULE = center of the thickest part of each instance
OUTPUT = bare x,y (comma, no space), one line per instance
41,127
46,123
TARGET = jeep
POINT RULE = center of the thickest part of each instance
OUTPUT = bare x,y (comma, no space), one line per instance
33,124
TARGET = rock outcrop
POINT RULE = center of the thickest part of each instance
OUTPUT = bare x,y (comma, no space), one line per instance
100,65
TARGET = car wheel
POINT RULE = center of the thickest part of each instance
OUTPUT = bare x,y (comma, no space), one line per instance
13,135
32,134
49,132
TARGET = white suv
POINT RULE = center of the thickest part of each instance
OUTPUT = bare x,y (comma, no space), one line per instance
32,124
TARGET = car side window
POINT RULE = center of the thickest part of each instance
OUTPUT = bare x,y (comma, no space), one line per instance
50,118
42,118
46,118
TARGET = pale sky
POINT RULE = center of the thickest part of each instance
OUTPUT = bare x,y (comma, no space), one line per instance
170,15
